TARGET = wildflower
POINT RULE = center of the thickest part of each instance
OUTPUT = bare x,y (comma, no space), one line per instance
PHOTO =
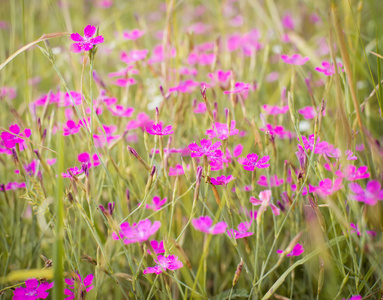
81,286
206,148
370,196
186,86
297,250
138,232
295,59
274,181
133,56
271,77
221,180
157,203
142,121
71,127
201,108
121,111
204,224
85,158
308,112
288,22
239,87
327,187
275,110
352,173
8,92
158,247
15,136
122,82
356,297
85,43
221,131
251,162
329,69
32,290
72,171
264,199
277,130
12,186
159,55
177,170
133,34
109,211
241,232
355,228
156,129
164,263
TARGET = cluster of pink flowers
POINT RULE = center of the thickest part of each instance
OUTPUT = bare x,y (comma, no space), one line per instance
138,232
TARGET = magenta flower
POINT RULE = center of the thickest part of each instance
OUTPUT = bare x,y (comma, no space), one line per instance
32,290
356,297
177,170
85,43
159,55
221,131
221,180
186,86
90,161
142,121
133,34
121,111
201,108
137,232
8,92
156,129
308,112
264,199
157,203
78,284
295,59
329,69
278,130
251,162
355,228
15,136
12,186
70,127
288,22
220,77
134,55
164,263
75,171
239,87
297,250
158,247
241,232
327,187
275,110
352,173
274,181
206,148
370,196
205,224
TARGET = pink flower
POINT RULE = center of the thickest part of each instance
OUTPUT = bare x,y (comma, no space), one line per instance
75,171
158,247
85,285
8,92
15,136
297,250
239,87
142,121
295,59
221,131
159,55
32,290
121,111
206,148
156,129
352,173
137,232
186,86
274,181
177,170
123,82
264,199
85,43
288,22
221,180
85,158
164,263
308,112
241,232
251,162
12,186
370,196
220,77
201,108
204,224
70,127
329,69
355,228
157,203
134,55
327,187
133,34
271,77
357,297
278,130
275,110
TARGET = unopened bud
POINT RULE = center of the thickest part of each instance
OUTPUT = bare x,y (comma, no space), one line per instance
238,272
